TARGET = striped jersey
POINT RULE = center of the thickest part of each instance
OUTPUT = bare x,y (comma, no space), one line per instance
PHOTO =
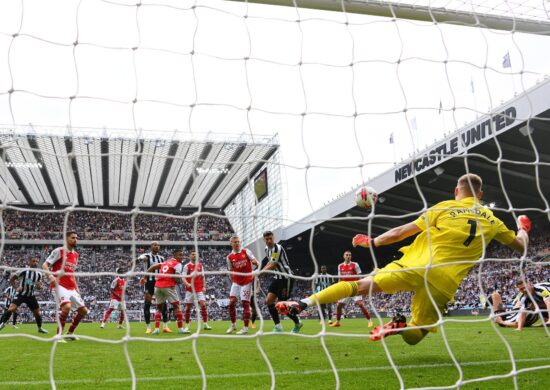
323,281
541,292
277,254
10,293
28,278
152,259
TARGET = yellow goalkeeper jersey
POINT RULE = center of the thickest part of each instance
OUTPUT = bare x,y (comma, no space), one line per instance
453,231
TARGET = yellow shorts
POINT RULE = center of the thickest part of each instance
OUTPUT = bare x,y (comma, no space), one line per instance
402,279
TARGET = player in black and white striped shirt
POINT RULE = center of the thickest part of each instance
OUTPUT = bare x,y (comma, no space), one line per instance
28,279
324,280
508,318
149,259
282,283
537,294
10,293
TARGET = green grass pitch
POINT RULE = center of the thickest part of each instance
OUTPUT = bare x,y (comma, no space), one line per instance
299,362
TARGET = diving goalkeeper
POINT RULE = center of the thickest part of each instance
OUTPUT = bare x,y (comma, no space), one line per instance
451,239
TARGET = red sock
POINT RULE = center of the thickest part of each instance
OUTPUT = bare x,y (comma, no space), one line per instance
76,321
121,318
179,319
365,312
188,312
157,317
338,313
107,314
233,312
62,320
246,313
204,314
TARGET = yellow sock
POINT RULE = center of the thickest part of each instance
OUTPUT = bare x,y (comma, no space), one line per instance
335,292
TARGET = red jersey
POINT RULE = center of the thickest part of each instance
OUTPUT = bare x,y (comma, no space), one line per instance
197,281
116,288
349,269
241,262
56,261
169,267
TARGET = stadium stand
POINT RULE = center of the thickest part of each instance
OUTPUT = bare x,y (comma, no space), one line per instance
114,226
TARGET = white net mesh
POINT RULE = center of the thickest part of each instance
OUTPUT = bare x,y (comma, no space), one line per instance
350,96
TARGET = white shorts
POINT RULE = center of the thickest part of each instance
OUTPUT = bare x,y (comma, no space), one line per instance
348,300
166,294
117,305
244,292
190,297
68,296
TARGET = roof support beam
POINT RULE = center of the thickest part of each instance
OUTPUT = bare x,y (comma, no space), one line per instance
17,179
238,152
253,172
72,159
167,166
355,228
38,156
199,162
105,170
524,152
135,174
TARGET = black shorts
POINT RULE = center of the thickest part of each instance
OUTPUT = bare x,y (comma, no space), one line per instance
282,288
31,302
150,287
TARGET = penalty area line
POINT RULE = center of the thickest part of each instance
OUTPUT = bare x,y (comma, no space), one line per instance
256,374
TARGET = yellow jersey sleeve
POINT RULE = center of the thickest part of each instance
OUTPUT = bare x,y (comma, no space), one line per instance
429,217
504,235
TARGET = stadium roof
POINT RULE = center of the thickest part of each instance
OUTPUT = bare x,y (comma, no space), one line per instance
503,149
117,171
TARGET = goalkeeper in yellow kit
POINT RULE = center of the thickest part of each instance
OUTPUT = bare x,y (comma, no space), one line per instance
451,238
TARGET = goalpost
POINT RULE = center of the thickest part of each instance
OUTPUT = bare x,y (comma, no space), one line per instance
374,82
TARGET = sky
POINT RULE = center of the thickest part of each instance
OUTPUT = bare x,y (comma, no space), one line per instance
183,62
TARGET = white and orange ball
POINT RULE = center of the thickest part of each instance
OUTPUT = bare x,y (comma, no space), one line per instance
366,197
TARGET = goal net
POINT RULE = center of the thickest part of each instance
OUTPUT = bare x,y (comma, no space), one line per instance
348,92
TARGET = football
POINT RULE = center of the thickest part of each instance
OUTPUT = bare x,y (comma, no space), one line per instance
365,197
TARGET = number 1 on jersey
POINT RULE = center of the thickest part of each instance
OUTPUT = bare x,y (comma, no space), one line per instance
473,228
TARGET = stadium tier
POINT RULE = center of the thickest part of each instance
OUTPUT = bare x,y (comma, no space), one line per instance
107,226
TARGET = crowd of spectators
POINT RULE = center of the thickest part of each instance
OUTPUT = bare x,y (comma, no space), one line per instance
102,225
499,270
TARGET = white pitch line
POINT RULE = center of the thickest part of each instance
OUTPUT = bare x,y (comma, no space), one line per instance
255,374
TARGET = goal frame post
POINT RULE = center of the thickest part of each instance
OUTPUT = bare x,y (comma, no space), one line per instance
419,13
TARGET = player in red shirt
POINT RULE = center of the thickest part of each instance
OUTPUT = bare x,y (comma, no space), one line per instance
240,260
165,288
66,292
195,292
117,291
349,271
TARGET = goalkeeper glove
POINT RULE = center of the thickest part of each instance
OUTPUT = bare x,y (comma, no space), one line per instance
524,223
363,240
